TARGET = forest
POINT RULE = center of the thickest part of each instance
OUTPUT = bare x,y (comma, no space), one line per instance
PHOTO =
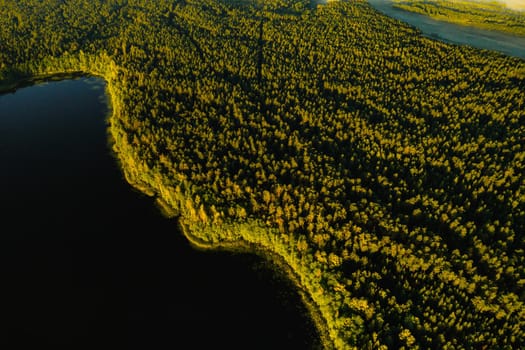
385,168
491,15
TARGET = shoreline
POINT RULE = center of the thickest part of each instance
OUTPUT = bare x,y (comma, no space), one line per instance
278,264
12,85
502,43
469,24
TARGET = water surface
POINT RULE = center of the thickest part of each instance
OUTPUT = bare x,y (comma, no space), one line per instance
88,263
453,33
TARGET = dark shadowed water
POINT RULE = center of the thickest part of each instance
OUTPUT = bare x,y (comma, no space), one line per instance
508,44
88,263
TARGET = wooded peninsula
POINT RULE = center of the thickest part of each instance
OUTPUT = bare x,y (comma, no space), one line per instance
385,169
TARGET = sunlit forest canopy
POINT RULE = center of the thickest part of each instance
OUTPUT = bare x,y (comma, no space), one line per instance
385,168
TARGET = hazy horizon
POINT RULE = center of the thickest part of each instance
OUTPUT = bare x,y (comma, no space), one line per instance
513,4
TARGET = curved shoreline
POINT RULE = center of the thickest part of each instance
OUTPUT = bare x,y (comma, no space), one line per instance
279,264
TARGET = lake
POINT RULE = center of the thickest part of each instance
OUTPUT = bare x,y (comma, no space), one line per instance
453,33
88,263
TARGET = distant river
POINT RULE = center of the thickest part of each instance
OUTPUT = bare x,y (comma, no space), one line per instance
457,34
88,263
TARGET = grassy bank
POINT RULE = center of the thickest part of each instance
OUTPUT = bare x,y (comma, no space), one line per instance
490,15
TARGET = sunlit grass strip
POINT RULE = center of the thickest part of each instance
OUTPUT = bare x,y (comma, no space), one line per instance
490,15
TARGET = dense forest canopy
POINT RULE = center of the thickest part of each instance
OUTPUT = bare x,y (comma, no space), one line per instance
385,168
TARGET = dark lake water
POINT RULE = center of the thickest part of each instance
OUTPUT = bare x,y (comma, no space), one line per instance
88,263
508,44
